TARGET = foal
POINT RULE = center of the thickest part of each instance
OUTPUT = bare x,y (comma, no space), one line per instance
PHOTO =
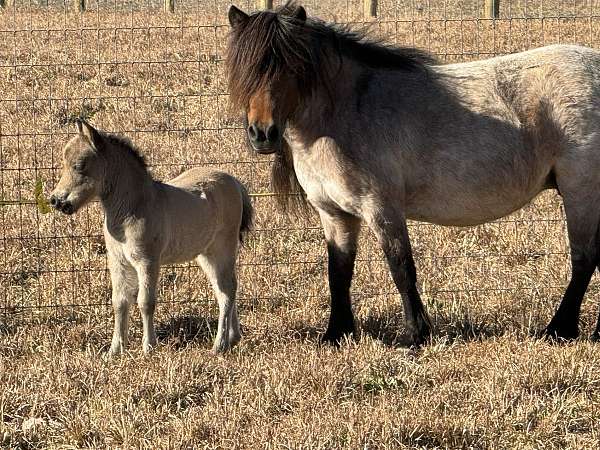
202,214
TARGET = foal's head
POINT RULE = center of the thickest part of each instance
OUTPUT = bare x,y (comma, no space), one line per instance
267,61
83,170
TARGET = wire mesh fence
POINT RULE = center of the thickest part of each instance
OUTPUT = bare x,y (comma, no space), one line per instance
158,77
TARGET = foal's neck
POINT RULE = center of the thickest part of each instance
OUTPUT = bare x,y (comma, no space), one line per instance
127,186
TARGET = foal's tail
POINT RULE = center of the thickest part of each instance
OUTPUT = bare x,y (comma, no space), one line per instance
247,212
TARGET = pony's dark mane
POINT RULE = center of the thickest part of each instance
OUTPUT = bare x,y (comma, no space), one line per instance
269,44
124,144
272,43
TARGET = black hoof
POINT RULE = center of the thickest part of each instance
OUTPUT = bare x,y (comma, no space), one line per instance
335,337
560,333
595,337
420,332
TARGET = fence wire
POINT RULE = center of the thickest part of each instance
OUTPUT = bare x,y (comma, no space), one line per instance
157,77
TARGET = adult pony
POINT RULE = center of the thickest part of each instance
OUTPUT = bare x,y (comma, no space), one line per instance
377,133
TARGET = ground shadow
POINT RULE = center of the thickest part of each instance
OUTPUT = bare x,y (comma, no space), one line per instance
389,328
302,332
179,332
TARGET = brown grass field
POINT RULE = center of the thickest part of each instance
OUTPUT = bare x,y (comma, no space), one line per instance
484,381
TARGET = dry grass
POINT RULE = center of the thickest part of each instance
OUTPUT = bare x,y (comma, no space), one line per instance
483,383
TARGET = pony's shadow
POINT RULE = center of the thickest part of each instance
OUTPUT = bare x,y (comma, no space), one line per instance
179,332
389,328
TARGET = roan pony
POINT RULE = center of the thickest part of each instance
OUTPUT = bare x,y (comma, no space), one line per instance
200,214
379,133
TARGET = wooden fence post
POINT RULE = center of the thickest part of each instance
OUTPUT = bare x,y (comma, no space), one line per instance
370,9
170,6
264,4
492,8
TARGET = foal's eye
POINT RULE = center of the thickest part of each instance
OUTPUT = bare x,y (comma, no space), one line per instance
79,166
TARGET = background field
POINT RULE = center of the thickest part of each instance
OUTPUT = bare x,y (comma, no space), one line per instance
158,78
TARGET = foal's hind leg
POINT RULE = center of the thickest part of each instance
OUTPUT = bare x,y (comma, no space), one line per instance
219,266
582,224
341,233
390,227
147,273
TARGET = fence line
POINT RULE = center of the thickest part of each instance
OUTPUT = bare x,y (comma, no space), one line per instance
158,78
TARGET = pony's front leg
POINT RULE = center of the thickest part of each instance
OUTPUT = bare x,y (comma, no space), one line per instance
392,235
147,279
124,292
341,233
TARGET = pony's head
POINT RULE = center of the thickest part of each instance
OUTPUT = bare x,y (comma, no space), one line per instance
269,61
82,172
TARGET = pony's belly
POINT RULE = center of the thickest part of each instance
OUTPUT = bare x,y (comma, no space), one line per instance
450,212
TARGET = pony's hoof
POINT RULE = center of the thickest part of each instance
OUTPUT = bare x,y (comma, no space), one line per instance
595,337
418,340
559,333
336,337
420,333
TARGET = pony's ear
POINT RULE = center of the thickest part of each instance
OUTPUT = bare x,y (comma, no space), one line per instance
89,132
236,16
300,14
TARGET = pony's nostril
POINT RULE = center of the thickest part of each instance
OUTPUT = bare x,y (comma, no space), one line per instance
272,133
52,200
260,136
252,131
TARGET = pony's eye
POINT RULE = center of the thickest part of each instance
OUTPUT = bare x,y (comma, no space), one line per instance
79,166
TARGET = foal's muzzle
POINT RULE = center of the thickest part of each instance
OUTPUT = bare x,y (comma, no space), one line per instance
264,139
62,205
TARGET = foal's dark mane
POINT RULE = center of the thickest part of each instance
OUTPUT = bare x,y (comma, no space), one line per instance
124,144
270,44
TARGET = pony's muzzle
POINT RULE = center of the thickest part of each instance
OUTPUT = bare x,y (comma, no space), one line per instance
61,204
264,139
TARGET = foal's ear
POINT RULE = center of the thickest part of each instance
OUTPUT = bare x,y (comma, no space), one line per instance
236,16
89,132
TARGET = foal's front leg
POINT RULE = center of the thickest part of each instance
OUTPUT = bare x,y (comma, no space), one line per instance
341,233
124,291
147,273
392,235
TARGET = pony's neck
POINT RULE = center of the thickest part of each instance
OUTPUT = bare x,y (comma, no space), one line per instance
330,102
126,185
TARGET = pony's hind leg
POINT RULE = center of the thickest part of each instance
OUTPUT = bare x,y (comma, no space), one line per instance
341,233
219,266
390,227
582,224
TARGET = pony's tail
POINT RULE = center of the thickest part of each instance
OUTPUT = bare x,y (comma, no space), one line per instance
247,213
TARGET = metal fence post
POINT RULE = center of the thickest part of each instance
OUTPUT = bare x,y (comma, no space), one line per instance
370,9
492,8
264,4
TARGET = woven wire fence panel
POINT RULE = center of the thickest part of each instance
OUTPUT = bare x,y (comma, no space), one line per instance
158,77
